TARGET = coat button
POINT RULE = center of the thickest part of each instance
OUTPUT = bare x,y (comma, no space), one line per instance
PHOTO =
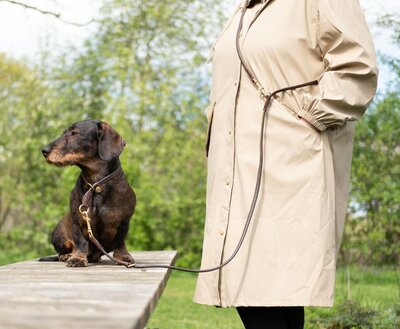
230,132
221,232
227,183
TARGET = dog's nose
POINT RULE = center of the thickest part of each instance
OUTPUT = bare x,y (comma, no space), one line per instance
46,151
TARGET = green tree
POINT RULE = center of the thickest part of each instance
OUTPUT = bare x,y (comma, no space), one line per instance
142,71
374,235
27,186
375,183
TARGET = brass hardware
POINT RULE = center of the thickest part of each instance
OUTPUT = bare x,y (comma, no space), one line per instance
86,218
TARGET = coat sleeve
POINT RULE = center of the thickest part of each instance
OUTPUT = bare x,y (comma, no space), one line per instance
349,80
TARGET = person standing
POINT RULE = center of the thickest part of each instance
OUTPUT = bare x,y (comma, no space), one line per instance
288,258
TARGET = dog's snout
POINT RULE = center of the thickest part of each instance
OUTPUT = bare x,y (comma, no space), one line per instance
46,151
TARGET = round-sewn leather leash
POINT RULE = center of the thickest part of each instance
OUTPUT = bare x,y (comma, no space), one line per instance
86,206
267,97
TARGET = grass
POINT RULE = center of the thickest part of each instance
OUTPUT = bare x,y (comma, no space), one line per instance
370,287
176,310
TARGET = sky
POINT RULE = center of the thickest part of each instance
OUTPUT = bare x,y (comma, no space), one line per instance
24,33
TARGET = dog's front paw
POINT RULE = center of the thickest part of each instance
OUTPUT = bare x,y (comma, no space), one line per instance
74,261
64,257
124,256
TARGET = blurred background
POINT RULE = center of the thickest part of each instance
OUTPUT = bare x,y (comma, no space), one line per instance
141,66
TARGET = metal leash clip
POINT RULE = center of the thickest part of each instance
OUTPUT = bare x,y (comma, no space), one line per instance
261,89
86,218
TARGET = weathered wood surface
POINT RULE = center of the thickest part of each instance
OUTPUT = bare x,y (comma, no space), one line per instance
44,295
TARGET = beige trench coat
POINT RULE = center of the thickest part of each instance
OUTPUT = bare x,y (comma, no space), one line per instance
289,255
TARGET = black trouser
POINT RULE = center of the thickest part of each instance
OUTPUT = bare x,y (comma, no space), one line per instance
272,317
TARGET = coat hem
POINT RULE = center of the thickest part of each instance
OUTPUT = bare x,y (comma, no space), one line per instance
321,303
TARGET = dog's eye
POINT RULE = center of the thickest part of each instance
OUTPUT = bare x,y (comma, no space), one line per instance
73,133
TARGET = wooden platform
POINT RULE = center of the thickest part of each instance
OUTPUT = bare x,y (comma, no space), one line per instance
44,295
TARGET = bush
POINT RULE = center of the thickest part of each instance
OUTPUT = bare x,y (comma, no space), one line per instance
348,315
352,315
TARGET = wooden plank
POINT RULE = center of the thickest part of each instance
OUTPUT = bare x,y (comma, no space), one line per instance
49,295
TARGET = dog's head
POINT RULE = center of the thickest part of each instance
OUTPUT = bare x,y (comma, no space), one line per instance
84,141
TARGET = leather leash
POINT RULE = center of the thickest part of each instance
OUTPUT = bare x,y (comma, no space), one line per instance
86,206
87,199
267,97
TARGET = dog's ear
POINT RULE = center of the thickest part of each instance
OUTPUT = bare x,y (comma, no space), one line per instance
111,143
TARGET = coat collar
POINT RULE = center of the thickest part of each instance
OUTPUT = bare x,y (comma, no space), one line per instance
265,3
259,11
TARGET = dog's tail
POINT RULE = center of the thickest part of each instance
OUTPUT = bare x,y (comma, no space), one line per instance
53,258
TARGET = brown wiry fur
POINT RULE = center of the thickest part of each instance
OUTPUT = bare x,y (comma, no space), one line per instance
94,147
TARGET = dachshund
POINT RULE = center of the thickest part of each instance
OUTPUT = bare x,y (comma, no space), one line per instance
94,147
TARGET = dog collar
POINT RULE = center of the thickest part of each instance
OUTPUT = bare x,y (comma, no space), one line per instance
87,198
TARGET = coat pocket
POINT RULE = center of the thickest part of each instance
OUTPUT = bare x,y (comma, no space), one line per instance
298,119
210,116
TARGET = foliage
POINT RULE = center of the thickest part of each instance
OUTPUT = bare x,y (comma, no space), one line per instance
372,234
142,71
24,121
375,235
349,315
353,315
